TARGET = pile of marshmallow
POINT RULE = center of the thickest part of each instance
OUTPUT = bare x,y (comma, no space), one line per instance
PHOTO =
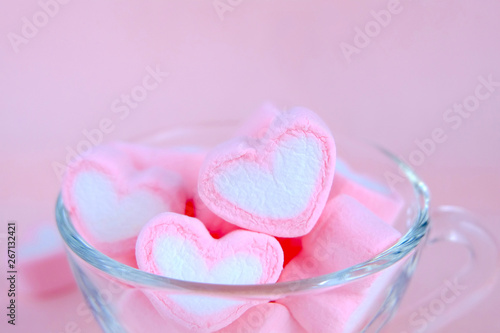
272,204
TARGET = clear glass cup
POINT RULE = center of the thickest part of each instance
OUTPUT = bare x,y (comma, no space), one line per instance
117,293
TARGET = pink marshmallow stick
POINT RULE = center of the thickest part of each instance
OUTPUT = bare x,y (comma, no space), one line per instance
43,264
109,199
180,247
278,184
265,318
347,234
385,203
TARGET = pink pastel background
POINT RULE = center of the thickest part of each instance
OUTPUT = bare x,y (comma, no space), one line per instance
67,77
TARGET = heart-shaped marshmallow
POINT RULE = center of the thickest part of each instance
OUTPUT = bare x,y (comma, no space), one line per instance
180,247
258,124
277,184
109,199
347,234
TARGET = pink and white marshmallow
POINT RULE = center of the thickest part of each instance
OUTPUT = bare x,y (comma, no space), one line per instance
185,161
385,203
138,315
216,225
109,199
180,247
347,234
265,318
277,184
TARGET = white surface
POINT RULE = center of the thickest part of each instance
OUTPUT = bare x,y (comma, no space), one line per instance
282,192
179,259
107,215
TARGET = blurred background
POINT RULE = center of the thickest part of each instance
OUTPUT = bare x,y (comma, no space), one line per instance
72,76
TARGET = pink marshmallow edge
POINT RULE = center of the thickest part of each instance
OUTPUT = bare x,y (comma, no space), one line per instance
191,228
347,234
386,206
138,315
187,164
43,263
216,225
265,318
303,121
47,275
194,230
118,168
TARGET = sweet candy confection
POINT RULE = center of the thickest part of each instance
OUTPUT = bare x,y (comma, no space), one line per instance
212,217
347,234
278,184
109,199
138,315
385,203
291,247
180,247
265,318
216,225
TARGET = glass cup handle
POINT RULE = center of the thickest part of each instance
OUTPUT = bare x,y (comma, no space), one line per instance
461,291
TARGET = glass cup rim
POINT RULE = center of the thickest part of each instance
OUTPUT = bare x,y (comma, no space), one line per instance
409,241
